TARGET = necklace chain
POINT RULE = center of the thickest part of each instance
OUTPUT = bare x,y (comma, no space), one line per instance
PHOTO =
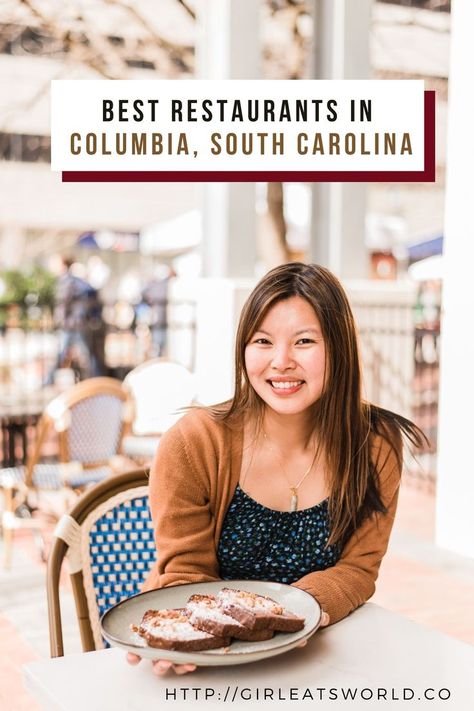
293,487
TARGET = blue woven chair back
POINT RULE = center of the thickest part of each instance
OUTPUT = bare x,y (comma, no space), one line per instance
122,551
96,426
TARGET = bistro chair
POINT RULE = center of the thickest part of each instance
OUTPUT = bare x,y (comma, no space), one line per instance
89,420
108,541
160,390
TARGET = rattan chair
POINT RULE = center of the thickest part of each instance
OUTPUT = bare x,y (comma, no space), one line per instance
109,543
160,389
90,420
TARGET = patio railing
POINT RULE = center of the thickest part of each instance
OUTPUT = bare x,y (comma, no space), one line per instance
31,366
400,360
401,373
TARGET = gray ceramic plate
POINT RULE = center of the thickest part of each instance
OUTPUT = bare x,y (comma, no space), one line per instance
116,622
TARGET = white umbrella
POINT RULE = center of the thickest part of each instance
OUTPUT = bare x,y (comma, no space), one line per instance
173,237
427,269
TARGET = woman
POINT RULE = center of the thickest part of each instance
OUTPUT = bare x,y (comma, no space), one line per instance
296,478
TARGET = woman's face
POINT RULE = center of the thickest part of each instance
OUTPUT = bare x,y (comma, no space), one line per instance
285,359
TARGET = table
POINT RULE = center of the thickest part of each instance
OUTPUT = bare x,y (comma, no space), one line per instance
18,411
371,649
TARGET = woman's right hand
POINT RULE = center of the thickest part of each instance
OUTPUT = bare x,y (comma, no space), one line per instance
161,666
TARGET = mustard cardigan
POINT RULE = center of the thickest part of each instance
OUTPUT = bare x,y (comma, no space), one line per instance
192,481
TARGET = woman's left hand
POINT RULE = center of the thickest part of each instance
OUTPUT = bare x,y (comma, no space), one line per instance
325,619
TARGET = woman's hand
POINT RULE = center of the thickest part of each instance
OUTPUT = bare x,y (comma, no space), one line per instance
324,623
161,666
325,620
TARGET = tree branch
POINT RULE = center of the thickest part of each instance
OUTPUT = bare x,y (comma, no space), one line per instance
187,7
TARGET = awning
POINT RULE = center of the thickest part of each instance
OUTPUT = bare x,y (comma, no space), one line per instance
425,248
109,241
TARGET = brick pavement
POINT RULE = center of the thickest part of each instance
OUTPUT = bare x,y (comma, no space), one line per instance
417,580
14,652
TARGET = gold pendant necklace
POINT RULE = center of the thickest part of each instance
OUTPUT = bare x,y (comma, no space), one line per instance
294,498
293,488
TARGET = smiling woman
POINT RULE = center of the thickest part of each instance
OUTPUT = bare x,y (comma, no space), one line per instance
295,479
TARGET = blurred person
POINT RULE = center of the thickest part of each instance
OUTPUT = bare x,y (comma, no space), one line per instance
78,316
153,308
295,479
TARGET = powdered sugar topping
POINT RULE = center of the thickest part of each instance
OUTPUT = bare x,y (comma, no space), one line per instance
251,601
209,607
175,627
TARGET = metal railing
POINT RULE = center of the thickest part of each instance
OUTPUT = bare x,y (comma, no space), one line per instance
37,360
401,373
400,365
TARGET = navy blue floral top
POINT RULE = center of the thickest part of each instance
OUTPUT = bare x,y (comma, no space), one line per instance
258,543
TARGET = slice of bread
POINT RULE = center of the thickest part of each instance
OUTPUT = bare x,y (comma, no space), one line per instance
258,612
206,614
172,629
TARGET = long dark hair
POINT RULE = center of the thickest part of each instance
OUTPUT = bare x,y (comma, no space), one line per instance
344,422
